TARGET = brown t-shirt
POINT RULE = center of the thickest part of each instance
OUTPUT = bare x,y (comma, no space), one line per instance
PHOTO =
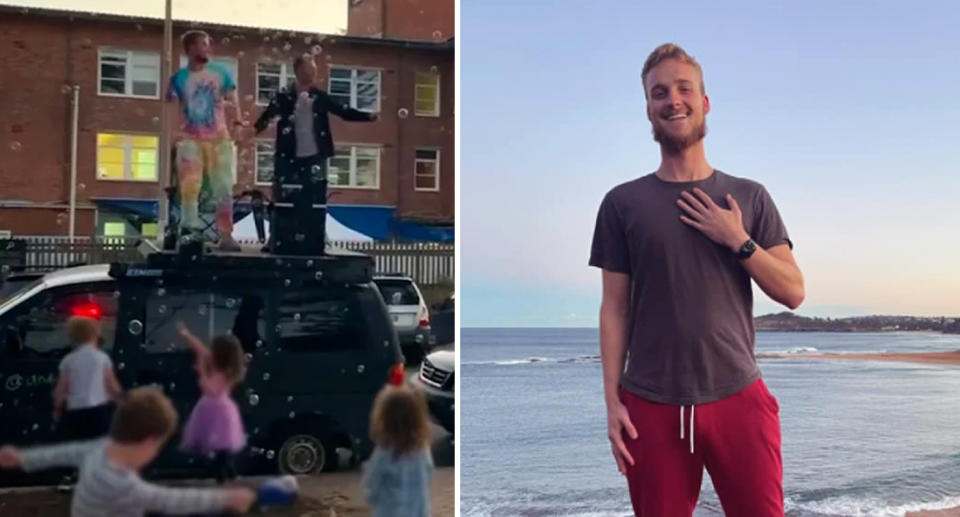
691,335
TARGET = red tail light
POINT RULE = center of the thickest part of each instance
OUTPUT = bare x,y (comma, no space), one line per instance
397,375
89,310
424,317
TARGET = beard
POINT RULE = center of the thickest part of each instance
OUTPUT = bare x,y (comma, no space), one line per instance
672,144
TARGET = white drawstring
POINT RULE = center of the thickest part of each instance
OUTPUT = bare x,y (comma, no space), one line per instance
691,426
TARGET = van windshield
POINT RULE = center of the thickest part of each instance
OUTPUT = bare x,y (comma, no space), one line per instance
8,298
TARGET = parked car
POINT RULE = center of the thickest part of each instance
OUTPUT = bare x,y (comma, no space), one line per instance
436,379
315,331
409,314
15,281
442,321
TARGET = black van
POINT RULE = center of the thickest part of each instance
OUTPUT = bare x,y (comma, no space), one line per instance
315,331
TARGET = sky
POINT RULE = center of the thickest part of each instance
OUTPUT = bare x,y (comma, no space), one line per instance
846,111
320,16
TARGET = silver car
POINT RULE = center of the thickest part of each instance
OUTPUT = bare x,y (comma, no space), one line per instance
409,314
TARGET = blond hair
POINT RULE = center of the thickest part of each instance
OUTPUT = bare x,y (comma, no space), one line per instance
665,52
144,413
399,420
82,330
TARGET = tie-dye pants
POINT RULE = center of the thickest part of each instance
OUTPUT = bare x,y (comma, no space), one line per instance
213,158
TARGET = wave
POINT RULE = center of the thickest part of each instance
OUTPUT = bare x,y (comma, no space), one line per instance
531,360
865,506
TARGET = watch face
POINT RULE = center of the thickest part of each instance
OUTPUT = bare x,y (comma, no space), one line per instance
750,246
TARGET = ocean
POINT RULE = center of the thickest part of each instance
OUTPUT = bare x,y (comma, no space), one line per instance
863,438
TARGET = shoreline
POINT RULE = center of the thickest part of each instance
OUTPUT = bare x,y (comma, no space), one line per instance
946,358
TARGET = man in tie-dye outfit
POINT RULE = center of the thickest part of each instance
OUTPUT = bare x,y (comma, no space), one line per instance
204,146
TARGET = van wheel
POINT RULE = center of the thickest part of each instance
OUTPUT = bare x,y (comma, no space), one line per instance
302,454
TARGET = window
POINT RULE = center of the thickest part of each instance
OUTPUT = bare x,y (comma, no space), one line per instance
40,329
427,95
398,292
130,73
426,170
264,170
355,87
149,229
114,229
270,77
328,319
127,157
354,167
206,314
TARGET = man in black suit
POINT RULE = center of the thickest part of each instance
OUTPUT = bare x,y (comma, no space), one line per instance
304,140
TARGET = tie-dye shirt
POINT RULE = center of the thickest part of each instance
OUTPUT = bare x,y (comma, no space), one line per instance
201,95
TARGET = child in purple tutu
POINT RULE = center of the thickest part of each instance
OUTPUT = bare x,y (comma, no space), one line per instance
215,429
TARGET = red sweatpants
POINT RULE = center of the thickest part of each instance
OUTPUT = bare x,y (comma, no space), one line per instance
736,438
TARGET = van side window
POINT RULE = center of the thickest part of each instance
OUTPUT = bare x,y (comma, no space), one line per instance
206,313
40,328
328,319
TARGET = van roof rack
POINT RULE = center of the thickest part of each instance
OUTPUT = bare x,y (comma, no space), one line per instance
337,265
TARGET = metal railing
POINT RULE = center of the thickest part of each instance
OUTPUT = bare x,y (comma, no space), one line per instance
427,263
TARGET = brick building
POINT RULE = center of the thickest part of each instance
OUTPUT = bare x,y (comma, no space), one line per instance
393,178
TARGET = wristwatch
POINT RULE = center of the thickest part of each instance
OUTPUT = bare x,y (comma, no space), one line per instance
747,249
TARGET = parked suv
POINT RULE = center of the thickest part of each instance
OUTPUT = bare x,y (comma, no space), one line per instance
315,331
409,314
436,379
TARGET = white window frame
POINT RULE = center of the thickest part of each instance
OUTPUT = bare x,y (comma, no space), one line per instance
128,76
416,97
286,76
5,234
231,62
353,166
128,157
353,84
256,162
436,168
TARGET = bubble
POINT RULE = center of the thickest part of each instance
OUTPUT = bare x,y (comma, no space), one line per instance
403,112
316,50
275,50
329,57
202,309
65,89
433,69
254,399
286,283
266,376
266,39
292,414
277,328
155,120
14,146
296,317
287,47
360,368
286,130
161,291
82,186
139,27
318,275
86,42
241,53
259,343
173,386
289,398
35,427
162,309
225,41
437,36
231,302
248,357
135,327
270,455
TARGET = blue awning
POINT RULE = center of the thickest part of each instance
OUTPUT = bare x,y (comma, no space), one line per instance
413,231
368,220
145,208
